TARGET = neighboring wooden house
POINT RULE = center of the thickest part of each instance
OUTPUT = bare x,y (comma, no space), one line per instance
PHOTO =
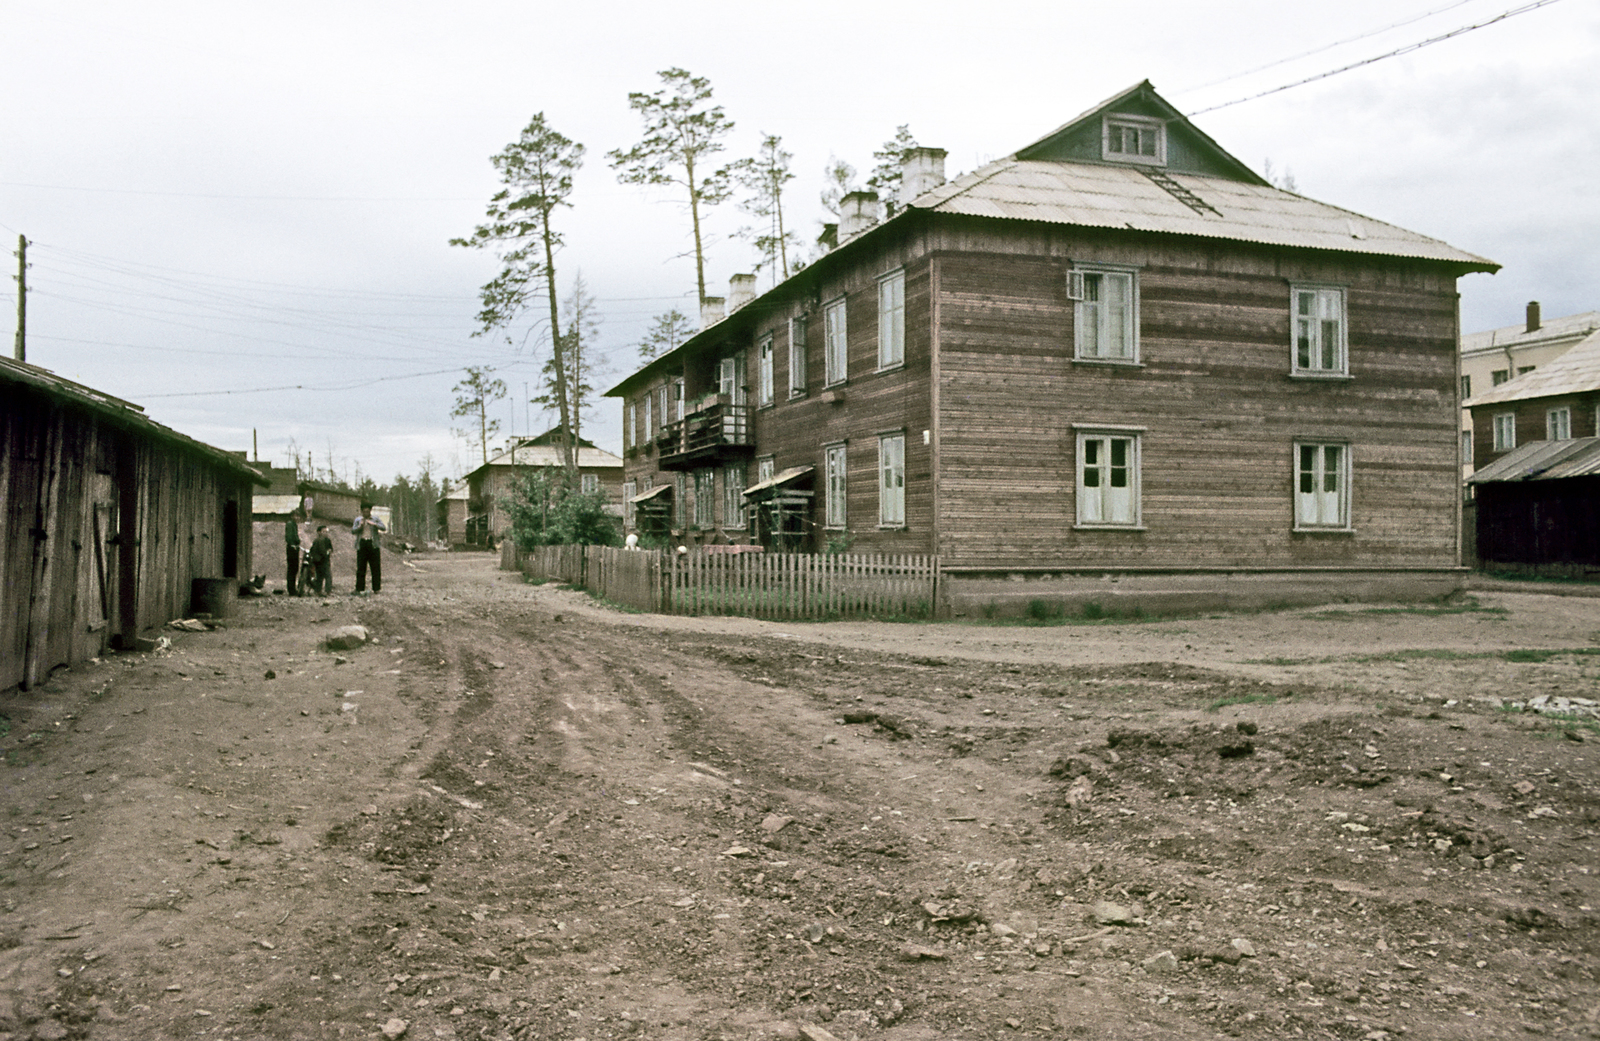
1117,351
452,516
1497,356
1538,509
106,518
1555,401
331,503
598,471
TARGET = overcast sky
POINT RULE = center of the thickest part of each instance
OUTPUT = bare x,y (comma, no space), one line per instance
223,199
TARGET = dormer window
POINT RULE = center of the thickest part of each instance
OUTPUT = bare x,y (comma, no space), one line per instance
1134,139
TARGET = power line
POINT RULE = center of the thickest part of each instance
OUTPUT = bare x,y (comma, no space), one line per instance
1326,47
1407,49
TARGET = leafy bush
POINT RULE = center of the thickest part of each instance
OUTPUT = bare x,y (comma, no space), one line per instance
544,511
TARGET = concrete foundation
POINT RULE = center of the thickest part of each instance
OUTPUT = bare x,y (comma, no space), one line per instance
1124,594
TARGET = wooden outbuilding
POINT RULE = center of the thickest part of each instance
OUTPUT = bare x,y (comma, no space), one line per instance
108,519
1538,509
1117,355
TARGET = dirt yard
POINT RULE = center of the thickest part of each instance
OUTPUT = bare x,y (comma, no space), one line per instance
517,815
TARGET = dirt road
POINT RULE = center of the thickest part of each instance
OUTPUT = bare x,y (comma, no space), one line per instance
518,815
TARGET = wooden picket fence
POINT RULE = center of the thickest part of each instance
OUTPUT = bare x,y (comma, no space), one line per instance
757,585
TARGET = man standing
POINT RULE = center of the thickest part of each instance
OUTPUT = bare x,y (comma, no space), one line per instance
366,529
291,546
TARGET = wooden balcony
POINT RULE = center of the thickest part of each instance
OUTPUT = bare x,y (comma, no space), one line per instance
719,433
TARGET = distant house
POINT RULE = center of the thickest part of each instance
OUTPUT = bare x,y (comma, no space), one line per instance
452,515
1497,356
1556,401
106,518
1117,353
598,471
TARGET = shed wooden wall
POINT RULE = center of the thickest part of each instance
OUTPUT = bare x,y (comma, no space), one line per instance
1213,392
103,528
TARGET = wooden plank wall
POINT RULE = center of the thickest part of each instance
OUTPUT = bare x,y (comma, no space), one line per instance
63,474
1213,393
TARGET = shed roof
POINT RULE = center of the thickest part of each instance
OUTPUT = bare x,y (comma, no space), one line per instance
1574,372
122,413
1544,461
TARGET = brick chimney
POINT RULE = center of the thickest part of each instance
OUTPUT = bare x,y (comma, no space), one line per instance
1533,316
858,211
741,290
921,170
712,311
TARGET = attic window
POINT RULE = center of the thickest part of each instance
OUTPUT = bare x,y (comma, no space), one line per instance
1134,139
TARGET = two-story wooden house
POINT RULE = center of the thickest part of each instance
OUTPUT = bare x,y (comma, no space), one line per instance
1116,352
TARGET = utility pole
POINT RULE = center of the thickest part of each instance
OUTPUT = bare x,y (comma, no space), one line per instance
21,351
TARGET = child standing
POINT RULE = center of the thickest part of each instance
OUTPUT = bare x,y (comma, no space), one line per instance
321,562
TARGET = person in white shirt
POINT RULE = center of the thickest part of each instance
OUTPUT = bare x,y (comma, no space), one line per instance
366,528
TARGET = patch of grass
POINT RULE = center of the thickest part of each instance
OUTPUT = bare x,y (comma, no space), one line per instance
5,726
1521,655
1094,611
1469,605
1537,656
1241,699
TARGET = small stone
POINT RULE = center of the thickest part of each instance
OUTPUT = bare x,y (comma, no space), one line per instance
269,675
1162,963
1243,946
346,638
917,952
775,822
1002,930
1107,913
395,1028
737,851
816,1033
369,810
497,665
339,659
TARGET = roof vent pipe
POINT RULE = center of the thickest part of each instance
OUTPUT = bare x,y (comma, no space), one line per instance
741,290
858,211
921,170
1533,316
712,311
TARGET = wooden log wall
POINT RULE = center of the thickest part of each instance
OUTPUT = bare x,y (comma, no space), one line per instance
103,526
1219,411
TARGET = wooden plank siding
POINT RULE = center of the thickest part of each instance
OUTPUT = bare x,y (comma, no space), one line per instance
1213,392
104,526
1530,423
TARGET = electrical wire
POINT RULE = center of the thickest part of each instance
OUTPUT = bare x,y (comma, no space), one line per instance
1407,49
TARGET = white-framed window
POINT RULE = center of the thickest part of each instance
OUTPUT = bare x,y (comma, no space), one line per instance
1105,313
1525,368
733,497
1466,387
1499,376
892,480
1320,347
797,357
1108,478
589,483
731,378
1322,486
677,399
1505,431
834,486
631,435
629,490
1466,448
705,497
661,407
1134,139
764,372
836,350
766,468
1558,424
644,426
892,319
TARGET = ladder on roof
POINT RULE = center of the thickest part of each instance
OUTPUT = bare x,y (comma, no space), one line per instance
1182,194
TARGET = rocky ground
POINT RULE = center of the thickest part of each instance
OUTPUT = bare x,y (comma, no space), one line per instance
517,814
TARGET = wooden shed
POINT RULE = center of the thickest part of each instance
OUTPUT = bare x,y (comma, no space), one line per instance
108,517
1538,509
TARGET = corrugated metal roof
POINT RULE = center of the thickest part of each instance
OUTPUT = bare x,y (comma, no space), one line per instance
124,413
1108,196
550,455
1574,372
1544,461
1574,326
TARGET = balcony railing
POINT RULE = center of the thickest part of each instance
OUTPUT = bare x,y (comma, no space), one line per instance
720,431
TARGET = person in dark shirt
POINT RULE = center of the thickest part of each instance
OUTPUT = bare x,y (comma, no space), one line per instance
320,560
291,548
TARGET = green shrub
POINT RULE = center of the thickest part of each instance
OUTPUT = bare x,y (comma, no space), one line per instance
545,511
